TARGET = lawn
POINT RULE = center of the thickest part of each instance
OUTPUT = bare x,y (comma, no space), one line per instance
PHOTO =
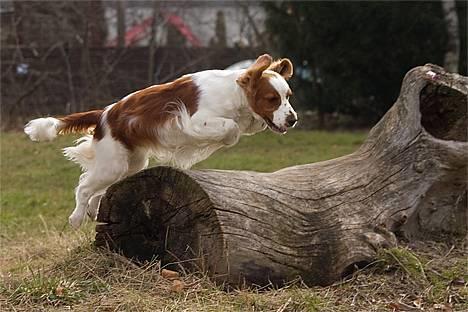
44,265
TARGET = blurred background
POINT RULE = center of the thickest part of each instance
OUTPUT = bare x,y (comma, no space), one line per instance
59,57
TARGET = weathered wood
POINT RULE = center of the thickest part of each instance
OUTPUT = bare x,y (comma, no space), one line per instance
318,220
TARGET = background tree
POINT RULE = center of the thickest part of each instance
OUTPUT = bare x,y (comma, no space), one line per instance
353,54
43,24
121,27
452,54
220,39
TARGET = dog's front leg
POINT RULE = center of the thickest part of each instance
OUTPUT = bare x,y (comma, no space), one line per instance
218,129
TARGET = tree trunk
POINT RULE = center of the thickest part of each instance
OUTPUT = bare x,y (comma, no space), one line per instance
152,44
317,220
452,54
121,23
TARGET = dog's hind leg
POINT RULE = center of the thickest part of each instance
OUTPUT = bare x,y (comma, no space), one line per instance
137,161
111,165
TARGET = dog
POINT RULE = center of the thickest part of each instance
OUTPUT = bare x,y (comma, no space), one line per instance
179,123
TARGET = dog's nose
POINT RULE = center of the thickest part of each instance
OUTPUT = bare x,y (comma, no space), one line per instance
291,120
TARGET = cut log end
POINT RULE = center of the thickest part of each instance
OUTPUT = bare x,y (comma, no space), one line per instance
174,223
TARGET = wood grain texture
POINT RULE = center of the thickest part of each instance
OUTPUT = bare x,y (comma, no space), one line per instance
316,221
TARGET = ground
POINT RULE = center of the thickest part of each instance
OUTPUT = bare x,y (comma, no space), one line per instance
45,265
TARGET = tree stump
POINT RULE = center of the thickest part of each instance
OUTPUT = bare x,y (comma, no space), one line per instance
316,221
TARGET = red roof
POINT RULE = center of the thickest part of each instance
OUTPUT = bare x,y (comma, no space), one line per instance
141,30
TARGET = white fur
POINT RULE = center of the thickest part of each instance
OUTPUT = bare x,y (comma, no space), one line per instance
43,129
110,165
83,153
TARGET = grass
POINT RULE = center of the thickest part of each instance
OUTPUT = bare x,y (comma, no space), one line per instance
44,265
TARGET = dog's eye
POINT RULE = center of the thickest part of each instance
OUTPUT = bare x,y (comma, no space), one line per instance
271,97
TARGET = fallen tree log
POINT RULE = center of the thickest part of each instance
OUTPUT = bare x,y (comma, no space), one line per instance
316,221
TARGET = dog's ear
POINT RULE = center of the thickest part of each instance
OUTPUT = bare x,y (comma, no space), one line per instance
252,75
284,67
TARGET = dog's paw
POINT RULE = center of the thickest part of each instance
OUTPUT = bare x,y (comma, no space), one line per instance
75,220
232,136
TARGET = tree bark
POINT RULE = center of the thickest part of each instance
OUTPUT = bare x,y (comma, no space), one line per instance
317,221
452,55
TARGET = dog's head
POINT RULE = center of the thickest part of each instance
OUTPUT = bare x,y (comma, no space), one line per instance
267,91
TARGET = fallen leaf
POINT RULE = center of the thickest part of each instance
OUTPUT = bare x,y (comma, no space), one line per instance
59,291
177,286
395,306
168,274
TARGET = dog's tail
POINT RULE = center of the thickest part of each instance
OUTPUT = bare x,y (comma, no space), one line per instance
47,129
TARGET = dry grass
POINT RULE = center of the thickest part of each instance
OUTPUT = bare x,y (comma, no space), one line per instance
67,271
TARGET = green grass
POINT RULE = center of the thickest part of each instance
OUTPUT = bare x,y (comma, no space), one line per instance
37,184
268,152
44,265
426,272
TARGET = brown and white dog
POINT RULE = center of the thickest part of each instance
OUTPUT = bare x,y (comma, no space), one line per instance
179,123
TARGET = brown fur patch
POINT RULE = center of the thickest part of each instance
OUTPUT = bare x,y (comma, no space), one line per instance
266,99
249,80
263,98
133,121
284,67
80,122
